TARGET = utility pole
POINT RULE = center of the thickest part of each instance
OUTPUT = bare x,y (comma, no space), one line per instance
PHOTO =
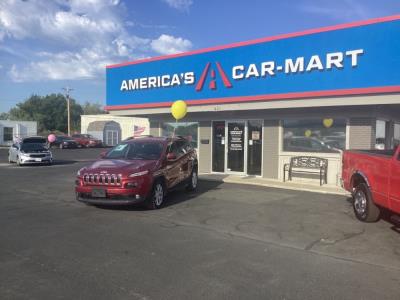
67,90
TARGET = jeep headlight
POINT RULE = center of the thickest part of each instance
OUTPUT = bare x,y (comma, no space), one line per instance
79,172
138,174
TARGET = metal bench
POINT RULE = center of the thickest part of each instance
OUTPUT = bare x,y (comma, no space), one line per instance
307,165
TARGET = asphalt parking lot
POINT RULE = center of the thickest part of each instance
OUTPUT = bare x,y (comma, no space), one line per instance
223,241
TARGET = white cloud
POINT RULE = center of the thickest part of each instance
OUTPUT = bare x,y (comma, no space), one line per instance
74,39
77,25
167,44
346,10
182,5
86,64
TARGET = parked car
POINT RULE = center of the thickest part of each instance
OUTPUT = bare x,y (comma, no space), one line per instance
32,150
373,178
140,170
63,141
87,140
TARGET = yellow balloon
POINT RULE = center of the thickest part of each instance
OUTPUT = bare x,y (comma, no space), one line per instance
308,133
327,122
179,109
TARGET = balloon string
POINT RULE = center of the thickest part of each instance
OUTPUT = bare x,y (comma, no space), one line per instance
176,125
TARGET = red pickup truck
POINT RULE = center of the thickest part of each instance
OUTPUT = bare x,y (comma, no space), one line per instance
373,178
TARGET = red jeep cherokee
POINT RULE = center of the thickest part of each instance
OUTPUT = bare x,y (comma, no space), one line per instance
138,170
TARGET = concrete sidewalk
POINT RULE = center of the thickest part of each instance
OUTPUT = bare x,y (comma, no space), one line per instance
290,185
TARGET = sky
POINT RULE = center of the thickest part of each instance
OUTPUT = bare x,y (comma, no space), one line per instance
48,45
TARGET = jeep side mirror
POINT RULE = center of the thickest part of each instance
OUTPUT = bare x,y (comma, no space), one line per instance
171,156
103,154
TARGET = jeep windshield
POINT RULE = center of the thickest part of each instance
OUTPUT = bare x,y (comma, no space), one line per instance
136,150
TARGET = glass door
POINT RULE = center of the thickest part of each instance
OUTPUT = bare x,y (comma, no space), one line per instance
218,147
254,147
111,137
235,147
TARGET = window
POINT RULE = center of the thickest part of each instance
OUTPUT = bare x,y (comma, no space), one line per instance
315,135
179,148
396,137
186,129
8,134
118,152
380,138
149,151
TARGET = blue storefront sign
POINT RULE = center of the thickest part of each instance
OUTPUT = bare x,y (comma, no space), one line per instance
357,58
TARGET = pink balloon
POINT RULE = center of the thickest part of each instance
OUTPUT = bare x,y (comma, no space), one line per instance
51,138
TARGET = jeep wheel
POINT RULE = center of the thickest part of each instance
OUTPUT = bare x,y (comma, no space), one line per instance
156,198
363,205
193,179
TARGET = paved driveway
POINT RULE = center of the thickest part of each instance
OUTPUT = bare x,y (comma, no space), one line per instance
224,241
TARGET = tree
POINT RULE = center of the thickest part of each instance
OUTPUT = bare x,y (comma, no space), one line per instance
4,116
93,109
49,111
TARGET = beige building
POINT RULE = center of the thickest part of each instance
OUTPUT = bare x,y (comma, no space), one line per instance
273,132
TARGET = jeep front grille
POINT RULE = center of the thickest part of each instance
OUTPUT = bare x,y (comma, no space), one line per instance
102,179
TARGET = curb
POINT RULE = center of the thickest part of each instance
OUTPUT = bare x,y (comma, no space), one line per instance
278,186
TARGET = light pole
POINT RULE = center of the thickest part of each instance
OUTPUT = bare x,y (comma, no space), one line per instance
67,90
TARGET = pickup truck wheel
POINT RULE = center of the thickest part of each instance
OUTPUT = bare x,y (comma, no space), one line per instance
156,198
363,205
193,179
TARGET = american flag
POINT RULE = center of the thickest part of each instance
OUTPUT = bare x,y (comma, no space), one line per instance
138,130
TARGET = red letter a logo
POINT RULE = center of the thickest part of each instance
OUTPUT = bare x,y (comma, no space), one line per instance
213,83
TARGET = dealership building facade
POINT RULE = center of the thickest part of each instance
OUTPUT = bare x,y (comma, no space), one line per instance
254,105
